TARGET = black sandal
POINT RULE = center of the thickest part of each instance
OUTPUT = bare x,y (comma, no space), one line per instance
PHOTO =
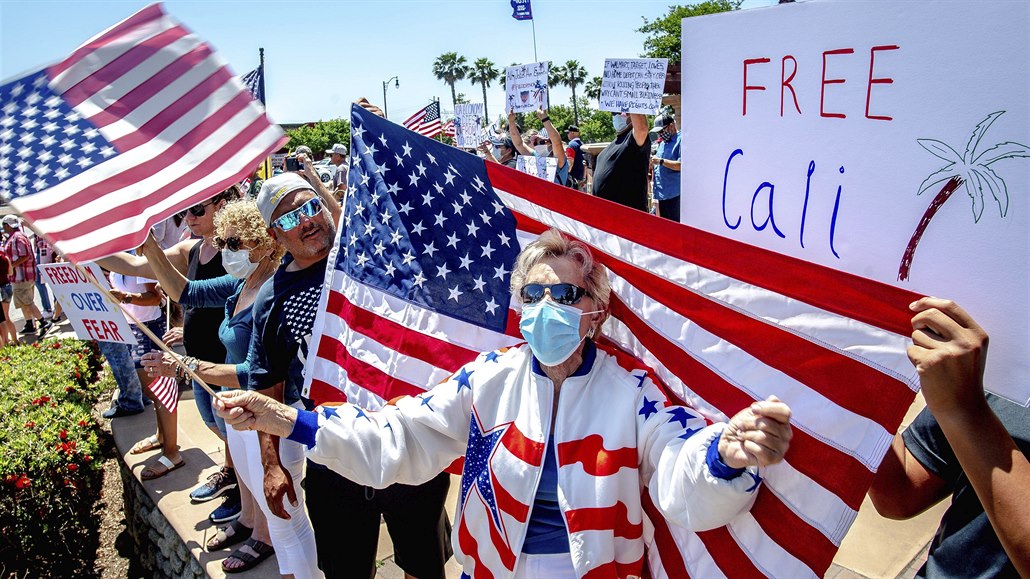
237,532
263,550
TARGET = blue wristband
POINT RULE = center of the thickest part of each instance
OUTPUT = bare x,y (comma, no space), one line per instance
719,468
305,428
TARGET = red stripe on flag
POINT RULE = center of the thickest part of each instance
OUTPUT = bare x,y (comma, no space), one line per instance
183,106
166,390
830,468
122,29
112,71
322,392
526,449
874,303
728,555
382,384
147,89
792,533
668,550
500,543
136,237
396,337
595,458
614,518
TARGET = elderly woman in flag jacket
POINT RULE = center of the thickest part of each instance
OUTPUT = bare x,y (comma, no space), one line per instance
557,439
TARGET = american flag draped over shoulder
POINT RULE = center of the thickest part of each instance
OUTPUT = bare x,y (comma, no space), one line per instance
426,121
138,123
418,284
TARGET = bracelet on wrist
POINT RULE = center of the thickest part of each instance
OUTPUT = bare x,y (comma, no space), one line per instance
545,119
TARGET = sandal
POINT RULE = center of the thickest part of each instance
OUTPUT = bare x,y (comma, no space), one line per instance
146,445
229,535
263,550
151,473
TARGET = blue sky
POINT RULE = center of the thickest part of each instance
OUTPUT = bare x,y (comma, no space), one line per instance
320,56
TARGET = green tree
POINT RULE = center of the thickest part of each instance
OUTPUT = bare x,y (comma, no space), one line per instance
483,73
663,34
572,75
450,68
596,126
593,88
321,135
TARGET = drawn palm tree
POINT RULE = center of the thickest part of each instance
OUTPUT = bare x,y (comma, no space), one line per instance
450,68
971,170
483,73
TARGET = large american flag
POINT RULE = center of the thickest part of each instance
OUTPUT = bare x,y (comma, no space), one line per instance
426,121
138,123
418,284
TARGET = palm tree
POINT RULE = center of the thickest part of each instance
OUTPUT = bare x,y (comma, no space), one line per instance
572,75
971,170
593,88
483,73
450,68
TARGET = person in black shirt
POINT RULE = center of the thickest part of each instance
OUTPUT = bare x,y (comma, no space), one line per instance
621,171
966,444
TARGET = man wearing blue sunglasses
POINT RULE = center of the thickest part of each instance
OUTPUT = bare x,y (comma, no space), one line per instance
304,222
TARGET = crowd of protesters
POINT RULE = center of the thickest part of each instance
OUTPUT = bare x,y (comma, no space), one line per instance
247,272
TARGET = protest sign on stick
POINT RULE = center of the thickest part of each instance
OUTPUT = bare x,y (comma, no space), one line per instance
633,85
833,134
92,317
525,87
468,125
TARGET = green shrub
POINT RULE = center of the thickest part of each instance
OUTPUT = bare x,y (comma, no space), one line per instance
50,466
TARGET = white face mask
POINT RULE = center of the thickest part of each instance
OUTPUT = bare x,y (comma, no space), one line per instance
237,263
542,151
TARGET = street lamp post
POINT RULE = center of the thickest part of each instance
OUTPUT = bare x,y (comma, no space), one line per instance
386,83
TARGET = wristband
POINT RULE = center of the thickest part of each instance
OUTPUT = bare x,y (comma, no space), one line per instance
544,120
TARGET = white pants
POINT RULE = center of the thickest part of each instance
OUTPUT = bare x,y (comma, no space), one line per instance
293,539
556,566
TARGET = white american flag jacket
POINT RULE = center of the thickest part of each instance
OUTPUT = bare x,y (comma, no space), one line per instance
614,435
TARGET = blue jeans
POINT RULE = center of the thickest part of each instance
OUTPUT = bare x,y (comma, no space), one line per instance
130,391
206,407
44,295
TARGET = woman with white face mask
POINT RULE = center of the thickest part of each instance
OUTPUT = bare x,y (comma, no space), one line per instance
552,433
250,256
546,143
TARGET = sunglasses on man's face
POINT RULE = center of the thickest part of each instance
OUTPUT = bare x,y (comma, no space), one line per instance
200,209
233,243
288,221
563,293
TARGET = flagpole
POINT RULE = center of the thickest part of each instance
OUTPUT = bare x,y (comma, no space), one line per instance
266,165
535,58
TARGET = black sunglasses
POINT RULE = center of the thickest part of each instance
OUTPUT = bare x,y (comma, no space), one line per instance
233,243
200,209
563,293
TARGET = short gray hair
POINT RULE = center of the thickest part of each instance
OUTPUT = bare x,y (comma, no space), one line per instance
553,243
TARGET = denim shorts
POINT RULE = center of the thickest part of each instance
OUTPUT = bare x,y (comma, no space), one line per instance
145,344
206,407
6,293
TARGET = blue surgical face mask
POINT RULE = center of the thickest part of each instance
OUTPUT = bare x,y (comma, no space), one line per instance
619,122
496,152
237,263
552,330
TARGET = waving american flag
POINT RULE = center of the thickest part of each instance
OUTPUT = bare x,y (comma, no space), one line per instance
141,121
418,284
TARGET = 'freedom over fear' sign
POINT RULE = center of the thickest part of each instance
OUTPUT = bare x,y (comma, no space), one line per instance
91,315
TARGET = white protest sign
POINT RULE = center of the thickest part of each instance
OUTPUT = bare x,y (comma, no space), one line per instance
90,314
525,87
633,85
468,125
541,167
835,132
